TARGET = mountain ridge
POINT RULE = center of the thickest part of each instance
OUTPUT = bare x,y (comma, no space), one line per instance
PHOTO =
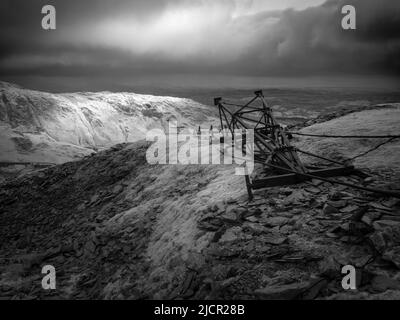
59,127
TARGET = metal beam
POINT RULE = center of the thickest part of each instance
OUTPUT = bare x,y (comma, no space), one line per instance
293,178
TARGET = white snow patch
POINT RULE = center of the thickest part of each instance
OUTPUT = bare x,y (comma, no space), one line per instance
62,127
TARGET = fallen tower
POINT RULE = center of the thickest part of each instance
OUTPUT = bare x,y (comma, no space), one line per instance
272,148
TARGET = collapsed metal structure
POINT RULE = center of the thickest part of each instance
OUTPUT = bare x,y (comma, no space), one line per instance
272,148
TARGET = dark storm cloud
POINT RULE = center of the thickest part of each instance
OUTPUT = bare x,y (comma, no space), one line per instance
113,38
312,41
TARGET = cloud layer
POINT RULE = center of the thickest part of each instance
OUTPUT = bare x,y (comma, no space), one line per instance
227,37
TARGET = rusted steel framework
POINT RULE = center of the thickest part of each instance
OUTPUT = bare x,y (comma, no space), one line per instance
271,144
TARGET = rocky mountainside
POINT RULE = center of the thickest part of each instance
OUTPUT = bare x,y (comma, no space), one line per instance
108,216
115,227
55,128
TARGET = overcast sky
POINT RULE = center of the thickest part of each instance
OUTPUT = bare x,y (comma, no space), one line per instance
121,40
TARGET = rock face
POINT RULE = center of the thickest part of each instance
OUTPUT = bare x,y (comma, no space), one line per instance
43,127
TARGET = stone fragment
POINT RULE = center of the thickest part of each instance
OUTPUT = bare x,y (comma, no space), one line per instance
369,180
393,255
379,206
274,239
316,182
329,267
230,215
314,289
382,283
230,200
282,292
336,195
378,241
243,213
338,203
328,209
296,196
233,234
390,217
252,219
349,209
81,207
370,217
117,189
381,224
94,198
313,190
195,261
276,221
391,203
286,229
286,191
254,228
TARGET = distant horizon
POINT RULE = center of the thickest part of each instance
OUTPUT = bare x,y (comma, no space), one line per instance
303,97
212,83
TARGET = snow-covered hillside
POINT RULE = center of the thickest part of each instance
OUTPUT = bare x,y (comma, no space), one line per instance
43,127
